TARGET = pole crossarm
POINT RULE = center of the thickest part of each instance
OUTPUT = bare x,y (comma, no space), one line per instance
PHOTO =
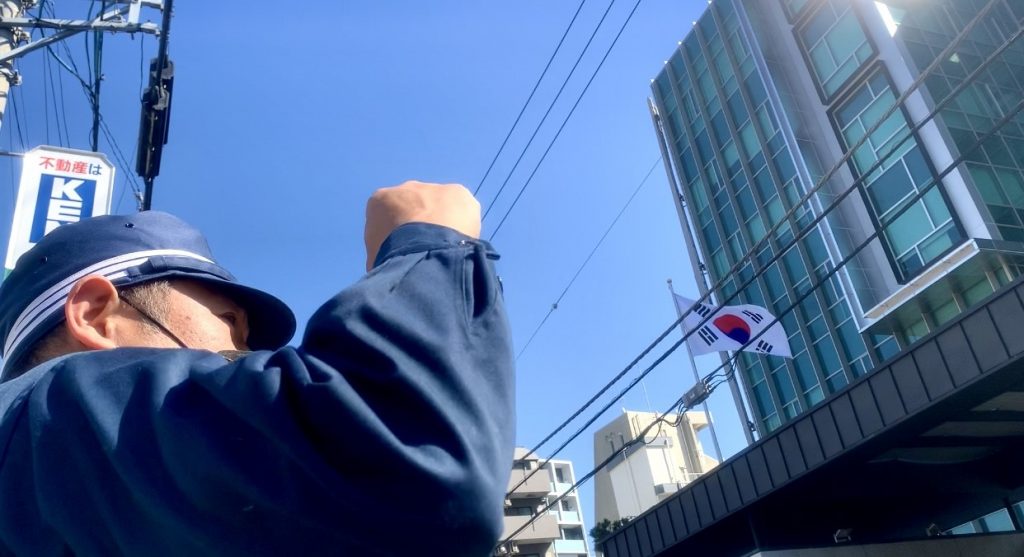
81,25
112,21
144,3
41,43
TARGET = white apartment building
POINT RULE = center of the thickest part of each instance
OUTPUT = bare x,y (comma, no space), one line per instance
560,532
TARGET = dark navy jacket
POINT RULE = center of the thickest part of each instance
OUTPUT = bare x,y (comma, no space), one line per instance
388,431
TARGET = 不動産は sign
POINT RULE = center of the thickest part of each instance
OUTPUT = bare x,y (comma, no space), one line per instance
57,186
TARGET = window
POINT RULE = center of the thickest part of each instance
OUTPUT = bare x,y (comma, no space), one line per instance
519,511
559,475
916,232
572,533
835,44
794,7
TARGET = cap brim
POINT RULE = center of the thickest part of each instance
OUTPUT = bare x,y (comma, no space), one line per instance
271,322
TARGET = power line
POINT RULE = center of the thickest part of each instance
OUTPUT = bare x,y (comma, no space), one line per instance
530,97
46,100
551,106
678,407
801,231
50,92
564,122
709,379
16,113
103,127
21,101
60,76
119,155
579,270
135,149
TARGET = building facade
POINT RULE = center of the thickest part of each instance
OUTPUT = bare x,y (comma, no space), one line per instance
638,479
923,216
561,532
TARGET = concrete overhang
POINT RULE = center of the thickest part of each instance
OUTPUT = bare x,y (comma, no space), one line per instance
959,269
934,435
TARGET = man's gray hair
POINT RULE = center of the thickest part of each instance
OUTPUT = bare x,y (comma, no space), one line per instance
151,297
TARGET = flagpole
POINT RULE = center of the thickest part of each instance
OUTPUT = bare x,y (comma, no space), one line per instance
696,378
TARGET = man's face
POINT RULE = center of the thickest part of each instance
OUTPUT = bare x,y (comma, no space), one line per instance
200,316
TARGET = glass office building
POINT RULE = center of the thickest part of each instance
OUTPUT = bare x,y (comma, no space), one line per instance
764,98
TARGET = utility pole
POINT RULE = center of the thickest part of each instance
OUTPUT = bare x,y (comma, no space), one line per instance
156,111
10,38
97,37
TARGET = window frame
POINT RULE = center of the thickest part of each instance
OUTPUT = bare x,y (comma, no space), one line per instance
843,89
871,70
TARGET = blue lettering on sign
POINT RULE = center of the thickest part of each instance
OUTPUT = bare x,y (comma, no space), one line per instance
61,200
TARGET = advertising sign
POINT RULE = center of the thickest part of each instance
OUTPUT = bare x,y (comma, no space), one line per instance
57,186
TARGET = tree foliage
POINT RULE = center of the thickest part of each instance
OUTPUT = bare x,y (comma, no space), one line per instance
606,527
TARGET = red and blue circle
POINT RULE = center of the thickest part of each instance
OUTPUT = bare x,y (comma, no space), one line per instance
734,327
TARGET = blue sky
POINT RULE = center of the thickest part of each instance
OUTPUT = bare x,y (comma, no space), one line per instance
285,119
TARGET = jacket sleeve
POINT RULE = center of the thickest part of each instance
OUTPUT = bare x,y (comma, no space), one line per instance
388,431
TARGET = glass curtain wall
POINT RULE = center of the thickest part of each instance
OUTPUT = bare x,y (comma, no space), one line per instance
739,179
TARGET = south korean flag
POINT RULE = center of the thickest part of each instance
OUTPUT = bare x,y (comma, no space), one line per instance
731,327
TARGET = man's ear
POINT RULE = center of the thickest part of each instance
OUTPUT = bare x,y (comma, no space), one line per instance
91,313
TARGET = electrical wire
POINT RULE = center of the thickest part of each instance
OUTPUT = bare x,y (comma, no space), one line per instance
801,231
50,90
870,238
60,83
103,127
551,106
46,99
562,126
530,97
554,306
679,405
16,113
21,102
10,165
135,151
119,155
61,137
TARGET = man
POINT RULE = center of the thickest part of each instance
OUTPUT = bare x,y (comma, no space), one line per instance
136,422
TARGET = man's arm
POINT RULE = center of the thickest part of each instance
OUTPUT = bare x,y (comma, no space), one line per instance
389,431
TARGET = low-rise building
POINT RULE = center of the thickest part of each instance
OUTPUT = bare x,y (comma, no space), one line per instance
644,475
560,531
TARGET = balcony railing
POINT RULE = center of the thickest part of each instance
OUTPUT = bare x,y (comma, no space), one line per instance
570,547
543,530
568,516
538,484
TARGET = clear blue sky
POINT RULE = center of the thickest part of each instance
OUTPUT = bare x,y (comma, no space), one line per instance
287,116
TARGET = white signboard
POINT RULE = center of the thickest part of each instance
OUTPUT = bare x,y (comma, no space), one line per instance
57,186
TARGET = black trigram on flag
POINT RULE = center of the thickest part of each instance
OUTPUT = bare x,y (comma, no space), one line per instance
707,335
755,317
701,310
763,347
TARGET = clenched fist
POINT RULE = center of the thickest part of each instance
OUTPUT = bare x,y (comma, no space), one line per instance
448,205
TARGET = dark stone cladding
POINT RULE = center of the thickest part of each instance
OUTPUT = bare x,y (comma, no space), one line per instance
828,467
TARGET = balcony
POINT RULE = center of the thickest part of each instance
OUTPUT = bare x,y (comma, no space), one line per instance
570,547
569,516
543,530
537,486
559,487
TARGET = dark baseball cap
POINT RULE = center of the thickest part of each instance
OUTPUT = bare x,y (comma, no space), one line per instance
128,250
